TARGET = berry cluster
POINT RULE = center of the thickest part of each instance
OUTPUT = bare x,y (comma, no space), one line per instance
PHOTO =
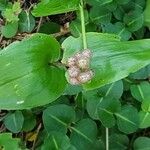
79,68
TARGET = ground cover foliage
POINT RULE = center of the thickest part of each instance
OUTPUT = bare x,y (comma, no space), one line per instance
41,109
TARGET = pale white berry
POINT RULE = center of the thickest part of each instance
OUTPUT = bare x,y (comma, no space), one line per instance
73,71
83,63
85,76
71,61
78,55
73,81
86,53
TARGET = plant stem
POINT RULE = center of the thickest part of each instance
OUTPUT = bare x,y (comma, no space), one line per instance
107,139
83,24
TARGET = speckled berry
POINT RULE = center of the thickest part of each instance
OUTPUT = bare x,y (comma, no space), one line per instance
86,53
73,81
73,71
83,63
78,55
85,76
71,61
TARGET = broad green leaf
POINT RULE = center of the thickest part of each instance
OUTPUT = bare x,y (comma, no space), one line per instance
95,97
100,15
147,14
51,7
58,118
111,60
127,119
141,91
134,20
26,22
142,143
84,135
118,29
118,142
29,120
144,119
28,76
98,2
14,121
106,110
56,141
72,90
8,143
9,30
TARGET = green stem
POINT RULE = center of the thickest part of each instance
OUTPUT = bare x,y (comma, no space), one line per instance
83,24
107,139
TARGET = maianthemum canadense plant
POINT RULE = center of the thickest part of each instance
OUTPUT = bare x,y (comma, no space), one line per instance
89,93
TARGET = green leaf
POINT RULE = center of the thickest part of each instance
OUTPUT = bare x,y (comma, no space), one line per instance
118,142
143,73
10,29
14,121
144,119
134,20
16,8
146,105
75,28
122,1
95,97
56,141
127,119
8,143
142,143
119,13
118,29
100,15
52,7
106,110
72,90
29,121
98,2
141,91
58,118
3,4
28,75
26,22
84,135
111,60
49,28
9,15
146,14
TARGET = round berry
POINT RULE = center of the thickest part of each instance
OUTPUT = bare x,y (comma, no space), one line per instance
73,71
78,55
83,63
74,81
85,76
86,53
71,61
